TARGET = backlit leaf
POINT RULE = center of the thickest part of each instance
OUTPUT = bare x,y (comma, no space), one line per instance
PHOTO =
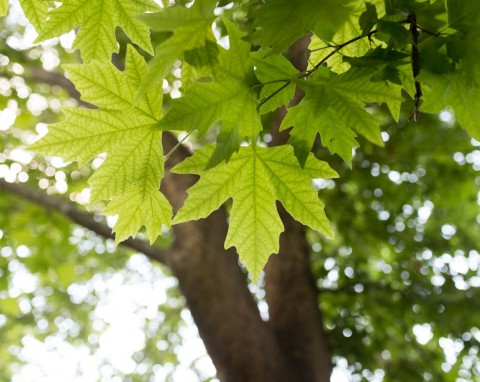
130,176
97,20
192,31
36,12
335,107
3,7
255,178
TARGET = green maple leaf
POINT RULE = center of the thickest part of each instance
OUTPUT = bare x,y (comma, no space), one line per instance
312,120
130,176
281,22
352,28
462,14
97,20
255,178
457,91
335,107
192,30
230,98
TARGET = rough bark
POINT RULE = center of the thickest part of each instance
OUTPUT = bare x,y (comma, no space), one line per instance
295,318
292,296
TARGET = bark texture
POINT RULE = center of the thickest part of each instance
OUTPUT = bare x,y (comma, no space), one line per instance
295,318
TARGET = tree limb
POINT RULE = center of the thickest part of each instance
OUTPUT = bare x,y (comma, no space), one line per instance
83,219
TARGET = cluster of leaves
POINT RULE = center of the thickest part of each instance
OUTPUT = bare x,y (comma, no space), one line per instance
361,55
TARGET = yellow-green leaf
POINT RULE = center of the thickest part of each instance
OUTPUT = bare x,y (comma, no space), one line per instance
335,107
255,178
129,179
36,12
191,27
97,20
230,98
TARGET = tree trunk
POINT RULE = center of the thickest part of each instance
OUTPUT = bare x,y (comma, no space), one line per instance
295,318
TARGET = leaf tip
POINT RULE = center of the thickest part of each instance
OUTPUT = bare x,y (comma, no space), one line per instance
329,234
118,239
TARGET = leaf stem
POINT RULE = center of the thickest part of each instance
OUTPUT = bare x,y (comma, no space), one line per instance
288,80
337,48
169,154
412,18
263,102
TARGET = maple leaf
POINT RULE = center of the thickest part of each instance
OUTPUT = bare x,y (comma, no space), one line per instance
35,11
350,29
130,176
255,178
462,14
335,107
231,98
192,29
97,20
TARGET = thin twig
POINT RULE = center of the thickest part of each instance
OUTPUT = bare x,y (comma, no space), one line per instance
412,18
165,157
315,68
273,95
436,34
337,48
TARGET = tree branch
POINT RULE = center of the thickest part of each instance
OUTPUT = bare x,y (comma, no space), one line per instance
412,19
56,79
308,73
83,219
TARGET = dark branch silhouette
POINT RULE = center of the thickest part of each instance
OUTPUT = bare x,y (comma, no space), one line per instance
86,220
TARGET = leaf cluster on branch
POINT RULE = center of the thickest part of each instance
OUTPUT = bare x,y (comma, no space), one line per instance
362,54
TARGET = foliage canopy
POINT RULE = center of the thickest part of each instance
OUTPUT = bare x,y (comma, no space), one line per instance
357,61
378,74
